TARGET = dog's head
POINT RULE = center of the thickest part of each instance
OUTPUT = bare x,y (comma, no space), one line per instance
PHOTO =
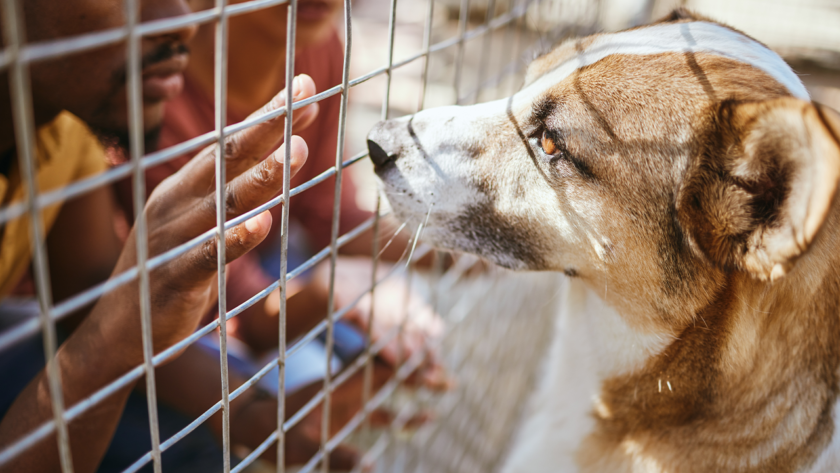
645,161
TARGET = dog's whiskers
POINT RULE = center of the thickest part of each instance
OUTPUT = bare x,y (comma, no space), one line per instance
417,235
400,229
414,244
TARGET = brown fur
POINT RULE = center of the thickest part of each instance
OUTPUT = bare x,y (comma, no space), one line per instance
625,117
698,199
734,383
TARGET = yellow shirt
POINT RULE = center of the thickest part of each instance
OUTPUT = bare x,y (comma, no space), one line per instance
66,151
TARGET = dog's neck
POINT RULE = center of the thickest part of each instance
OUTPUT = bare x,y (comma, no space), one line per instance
758,361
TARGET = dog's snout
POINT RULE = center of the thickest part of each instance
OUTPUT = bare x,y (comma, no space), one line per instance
384,142
378,155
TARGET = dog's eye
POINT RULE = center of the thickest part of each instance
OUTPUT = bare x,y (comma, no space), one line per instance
548,144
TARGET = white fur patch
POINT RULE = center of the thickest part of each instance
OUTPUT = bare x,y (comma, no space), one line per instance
829,459
694,37
592,342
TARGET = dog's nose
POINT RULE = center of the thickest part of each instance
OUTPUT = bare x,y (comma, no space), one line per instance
378,155
384,143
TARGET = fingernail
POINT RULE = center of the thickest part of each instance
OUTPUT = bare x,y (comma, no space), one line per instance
254,224
299,150
296,87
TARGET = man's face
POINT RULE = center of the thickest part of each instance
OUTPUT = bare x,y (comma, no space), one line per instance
92,85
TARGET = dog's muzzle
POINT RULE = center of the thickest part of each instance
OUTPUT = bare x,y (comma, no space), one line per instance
385,143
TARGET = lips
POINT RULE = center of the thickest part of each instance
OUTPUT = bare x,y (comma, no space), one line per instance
164,80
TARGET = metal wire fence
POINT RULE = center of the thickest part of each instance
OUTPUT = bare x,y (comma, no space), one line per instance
483,54
20,55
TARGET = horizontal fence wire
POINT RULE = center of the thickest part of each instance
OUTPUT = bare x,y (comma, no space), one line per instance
31,53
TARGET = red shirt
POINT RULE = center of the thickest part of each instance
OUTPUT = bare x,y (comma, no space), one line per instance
192,114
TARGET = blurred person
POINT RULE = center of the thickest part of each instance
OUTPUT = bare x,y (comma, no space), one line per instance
88,90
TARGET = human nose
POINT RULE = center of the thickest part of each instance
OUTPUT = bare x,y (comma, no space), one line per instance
152,10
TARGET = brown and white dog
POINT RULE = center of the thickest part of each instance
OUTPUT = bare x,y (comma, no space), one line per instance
681,177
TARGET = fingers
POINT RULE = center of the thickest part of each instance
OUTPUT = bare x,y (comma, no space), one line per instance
303,440
251,189
383,418
436,378
431,374
253,144
240,239
264,181
249,146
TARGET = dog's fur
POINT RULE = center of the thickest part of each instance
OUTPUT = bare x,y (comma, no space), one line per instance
693,203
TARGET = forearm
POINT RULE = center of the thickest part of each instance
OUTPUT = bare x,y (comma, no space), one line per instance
86,364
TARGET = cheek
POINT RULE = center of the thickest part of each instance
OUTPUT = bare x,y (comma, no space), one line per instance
48,20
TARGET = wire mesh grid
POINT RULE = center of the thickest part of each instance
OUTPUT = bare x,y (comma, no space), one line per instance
507,20
478,55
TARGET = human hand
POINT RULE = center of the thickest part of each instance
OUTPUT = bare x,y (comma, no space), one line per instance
346,401
184,206
401,316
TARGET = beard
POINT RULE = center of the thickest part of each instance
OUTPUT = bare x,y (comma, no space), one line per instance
117,143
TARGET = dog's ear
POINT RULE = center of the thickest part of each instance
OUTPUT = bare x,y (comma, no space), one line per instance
761,188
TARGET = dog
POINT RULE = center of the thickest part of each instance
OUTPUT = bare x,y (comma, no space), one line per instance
681,177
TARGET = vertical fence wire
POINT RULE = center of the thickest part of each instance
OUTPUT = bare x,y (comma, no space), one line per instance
395,426
392,20
13,22
339,158
220,95
367,383
427,57
517,35
463,19
136,140
291,30
485,50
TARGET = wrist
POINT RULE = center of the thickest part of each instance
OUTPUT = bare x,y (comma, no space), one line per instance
98,352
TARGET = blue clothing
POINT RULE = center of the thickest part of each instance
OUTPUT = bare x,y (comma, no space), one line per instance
198,452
